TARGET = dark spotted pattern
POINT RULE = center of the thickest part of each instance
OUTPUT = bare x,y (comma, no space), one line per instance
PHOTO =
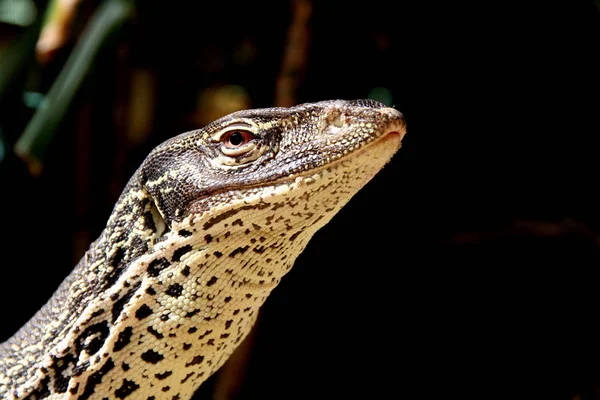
195,361
152,357
155,333
174,290
180,252
95,379
212,281
123,339
157,265
92,338
164,375
120,303
143,311
126,389
61,383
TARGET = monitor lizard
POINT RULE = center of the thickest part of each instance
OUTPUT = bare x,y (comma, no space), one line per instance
202,233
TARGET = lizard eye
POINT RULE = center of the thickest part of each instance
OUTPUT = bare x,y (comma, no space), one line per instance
239,143
237,138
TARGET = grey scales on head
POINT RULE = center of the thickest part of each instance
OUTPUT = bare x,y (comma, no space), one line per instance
203,232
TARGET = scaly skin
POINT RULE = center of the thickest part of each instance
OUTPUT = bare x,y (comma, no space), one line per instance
203,232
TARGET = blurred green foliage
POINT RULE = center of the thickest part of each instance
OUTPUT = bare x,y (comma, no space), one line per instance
107,19
17,12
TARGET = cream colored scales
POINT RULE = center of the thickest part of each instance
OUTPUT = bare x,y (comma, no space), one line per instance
204,231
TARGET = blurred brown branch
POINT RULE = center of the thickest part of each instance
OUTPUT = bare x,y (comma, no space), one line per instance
56,29
295,55
529,228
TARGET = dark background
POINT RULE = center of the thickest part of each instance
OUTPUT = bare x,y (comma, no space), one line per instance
479,281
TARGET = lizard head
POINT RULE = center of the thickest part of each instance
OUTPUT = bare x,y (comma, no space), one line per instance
255,150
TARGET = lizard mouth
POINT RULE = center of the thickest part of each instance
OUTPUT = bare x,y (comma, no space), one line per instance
393,137
367,160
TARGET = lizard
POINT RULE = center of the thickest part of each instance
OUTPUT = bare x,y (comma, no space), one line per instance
204,230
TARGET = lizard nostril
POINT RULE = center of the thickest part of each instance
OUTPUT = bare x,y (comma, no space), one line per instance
336,119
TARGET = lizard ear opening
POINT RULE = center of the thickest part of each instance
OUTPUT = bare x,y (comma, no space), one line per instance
162,228
171,199
171,181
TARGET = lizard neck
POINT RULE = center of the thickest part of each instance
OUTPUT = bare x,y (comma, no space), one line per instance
175,305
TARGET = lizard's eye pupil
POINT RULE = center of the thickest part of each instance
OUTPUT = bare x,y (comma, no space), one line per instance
237,138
